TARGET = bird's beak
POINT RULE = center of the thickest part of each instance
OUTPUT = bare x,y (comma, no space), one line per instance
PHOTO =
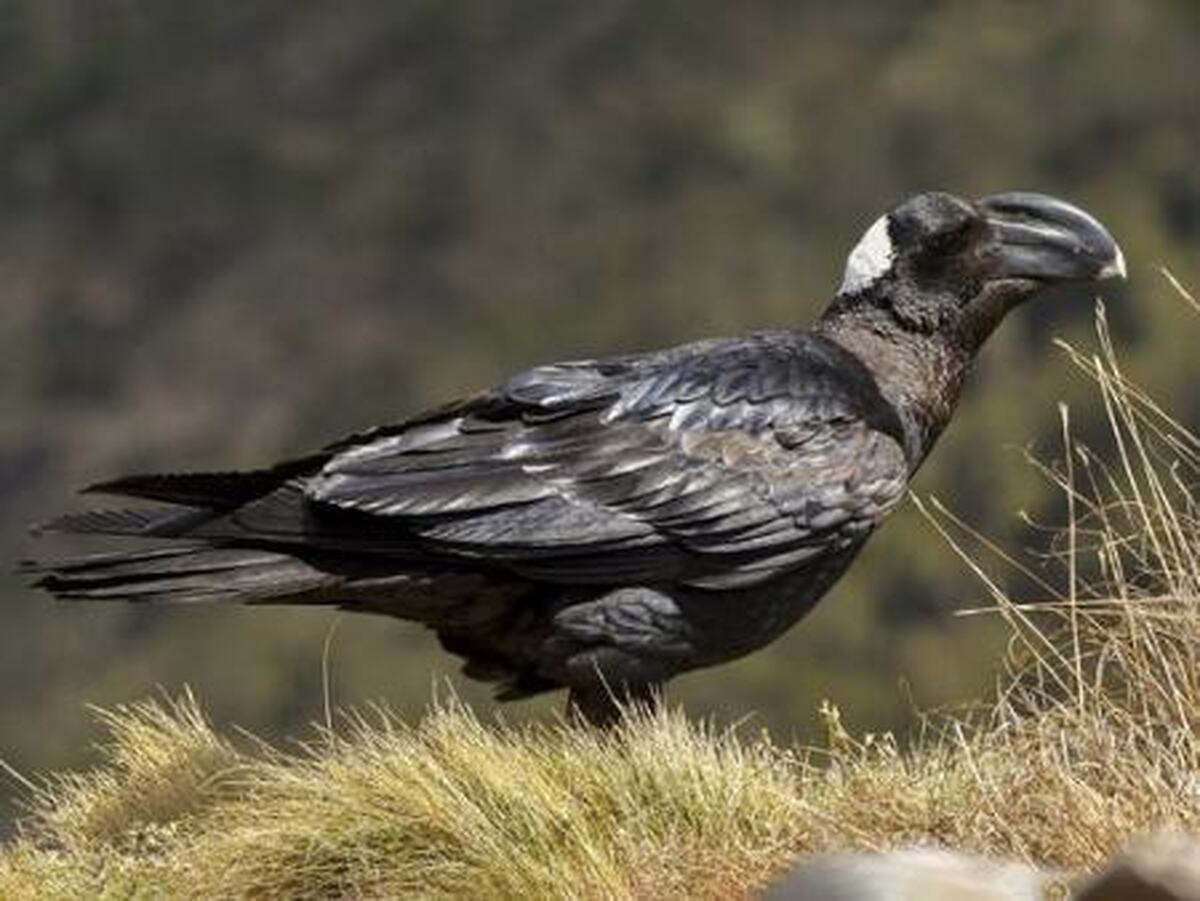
1039,237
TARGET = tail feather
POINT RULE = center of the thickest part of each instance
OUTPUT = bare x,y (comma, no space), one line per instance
99,562
196,573
142,523
212,490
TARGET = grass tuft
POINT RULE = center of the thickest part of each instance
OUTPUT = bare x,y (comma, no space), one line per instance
1092,738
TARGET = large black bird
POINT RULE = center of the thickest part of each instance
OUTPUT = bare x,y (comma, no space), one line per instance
604,525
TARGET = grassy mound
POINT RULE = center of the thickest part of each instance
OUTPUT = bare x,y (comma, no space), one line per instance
659,808
1093,737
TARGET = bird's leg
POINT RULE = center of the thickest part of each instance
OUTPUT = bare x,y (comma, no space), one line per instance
603,706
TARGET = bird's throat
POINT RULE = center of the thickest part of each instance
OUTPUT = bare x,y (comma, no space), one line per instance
920,373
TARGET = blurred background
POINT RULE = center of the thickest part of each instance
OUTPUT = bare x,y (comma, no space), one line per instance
233,232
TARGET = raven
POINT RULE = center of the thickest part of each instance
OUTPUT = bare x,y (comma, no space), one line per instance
603,525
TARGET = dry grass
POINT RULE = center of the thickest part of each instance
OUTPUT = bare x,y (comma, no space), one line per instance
1092,738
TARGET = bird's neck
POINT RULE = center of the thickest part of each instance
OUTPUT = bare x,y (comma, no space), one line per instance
920,372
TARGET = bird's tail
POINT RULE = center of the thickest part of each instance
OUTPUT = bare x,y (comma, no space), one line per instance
206,564
248,538
185,574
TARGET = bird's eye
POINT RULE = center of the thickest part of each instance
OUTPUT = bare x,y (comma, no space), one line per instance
948,240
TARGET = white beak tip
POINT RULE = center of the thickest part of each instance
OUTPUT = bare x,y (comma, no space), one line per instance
1115,269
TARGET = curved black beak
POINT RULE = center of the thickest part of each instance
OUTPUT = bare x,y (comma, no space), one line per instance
1043,238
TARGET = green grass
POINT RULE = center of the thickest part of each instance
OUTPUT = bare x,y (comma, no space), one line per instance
1093,736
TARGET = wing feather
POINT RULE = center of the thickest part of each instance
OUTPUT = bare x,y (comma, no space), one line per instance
713,463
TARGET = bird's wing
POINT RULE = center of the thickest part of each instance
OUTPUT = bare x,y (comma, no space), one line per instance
716,464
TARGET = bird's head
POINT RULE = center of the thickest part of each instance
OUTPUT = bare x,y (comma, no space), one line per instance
940,263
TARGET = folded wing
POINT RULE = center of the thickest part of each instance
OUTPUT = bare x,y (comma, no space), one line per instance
717,464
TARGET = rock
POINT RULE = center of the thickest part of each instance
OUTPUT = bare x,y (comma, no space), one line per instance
1164,867
915,874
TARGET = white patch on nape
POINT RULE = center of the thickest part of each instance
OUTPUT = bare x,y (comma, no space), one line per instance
870,259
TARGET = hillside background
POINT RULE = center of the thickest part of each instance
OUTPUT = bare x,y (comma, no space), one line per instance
232,232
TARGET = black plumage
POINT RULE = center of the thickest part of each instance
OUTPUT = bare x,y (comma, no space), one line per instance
606,524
